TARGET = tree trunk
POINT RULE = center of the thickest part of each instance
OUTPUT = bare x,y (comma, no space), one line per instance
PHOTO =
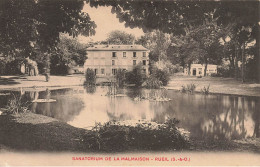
189,65
236,61
257,53
243,62
206,66
232,65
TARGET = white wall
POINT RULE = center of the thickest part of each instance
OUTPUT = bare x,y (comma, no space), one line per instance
103,59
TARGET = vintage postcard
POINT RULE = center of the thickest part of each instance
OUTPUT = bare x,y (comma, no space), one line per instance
129,83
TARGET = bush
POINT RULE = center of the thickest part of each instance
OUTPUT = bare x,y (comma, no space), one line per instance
142,136
16,105
58,66
224,72
153,83
90,77
121,77
135,76
162,75
215,75
10,67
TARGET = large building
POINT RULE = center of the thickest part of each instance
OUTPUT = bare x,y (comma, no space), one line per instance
198,70
105,60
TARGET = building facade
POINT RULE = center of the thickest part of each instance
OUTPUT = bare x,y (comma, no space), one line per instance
198,70
105,60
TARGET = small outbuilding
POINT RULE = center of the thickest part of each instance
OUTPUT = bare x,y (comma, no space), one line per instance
198,70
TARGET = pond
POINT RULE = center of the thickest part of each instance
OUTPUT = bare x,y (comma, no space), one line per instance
204,116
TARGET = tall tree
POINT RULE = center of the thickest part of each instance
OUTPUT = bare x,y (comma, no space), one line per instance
120,37
157,42
207,36
244,17
178,16
69,53
32,27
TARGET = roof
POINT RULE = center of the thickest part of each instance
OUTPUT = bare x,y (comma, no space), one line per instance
117,48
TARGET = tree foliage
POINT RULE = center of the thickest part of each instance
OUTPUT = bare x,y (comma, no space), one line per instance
135,76
120,37
31,27
178,17
157,42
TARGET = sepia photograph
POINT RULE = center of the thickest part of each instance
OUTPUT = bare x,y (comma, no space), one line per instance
129,83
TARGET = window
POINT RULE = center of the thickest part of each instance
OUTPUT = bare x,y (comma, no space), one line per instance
144,71
144,54
113,62
113,54
134,62
114,71
124,54
200,71
144,62
96,71
134,54
102,71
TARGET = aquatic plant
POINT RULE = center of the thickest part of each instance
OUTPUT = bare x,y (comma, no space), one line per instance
158,95
189,88
16,105
205,90
116,136
112,89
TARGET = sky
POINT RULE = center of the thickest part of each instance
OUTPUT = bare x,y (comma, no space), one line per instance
106,22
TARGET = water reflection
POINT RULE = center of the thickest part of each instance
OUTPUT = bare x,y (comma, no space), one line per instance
205,116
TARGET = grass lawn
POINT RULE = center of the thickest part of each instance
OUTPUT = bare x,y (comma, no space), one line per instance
217,85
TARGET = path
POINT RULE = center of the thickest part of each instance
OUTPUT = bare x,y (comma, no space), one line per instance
10,82
217,84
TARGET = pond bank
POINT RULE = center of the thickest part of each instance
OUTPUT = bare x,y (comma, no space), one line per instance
34,132
218,85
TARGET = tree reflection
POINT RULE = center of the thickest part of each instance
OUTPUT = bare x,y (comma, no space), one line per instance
90,89
256,118
234,122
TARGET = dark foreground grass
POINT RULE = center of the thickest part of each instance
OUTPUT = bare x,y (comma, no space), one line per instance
40,134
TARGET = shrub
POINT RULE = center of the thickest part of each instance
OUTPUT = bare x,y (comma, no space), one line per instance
205,90
189,88
113,136
16,105
135,76
11,67
224,72
162,75
120,77
215,75
90,77
153,83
